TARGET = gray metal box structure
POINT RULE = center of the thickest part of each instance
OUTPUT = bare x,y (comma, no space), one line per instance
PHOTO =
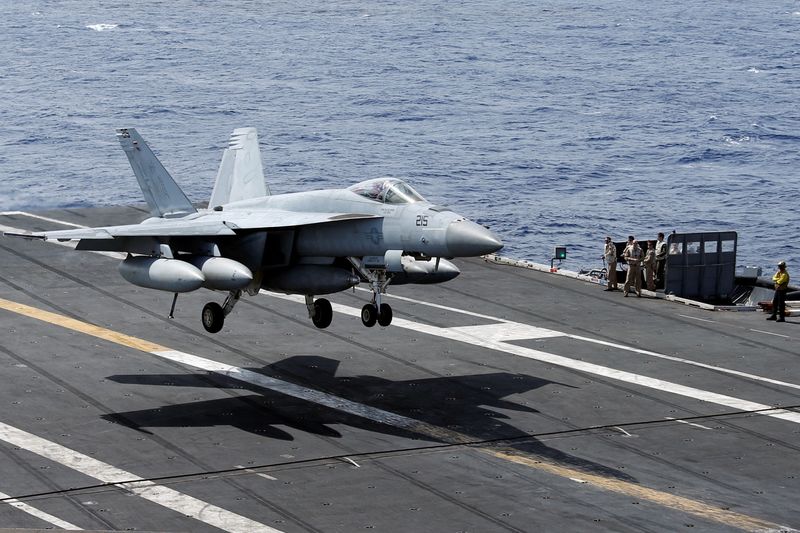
701,266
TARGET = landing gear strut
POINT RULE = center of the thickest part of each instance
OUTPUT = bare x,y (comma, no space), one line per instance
319,311
213,315
172,309
375,312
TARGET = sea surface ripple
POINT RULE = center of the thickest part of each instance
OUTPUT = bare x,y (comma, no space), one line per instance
553,122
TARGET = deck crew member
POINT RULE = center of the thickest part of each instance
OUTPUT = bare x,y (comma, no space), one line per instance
610,255
649,264
661,259
781,279
633,256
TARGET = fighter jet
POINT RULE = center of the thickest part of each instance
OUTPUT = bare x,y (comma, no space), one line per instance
377,232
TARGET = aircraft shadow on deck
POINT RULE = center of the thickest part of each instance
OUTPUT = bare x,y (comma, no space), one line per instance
459,403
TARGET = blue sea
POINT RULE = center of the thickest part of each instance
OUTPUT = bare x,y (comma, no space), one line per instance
553,122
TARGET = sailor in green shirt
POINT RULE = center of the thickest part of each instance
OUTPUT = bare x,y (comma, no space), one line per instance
781,279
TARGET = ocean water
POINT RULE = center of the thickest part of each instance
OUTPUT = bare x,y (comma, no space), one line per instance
553,122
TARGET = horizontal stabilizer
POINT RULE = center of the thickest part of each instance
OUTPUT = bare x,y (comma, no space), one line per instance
162,194
240,175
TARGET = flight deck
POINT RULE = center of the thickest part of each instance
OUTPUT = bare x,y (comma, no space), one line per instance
503,400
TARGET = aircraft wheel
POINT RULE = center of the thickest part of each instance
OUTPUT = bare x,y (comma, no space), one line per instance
213,317
385,316
369,315
323,314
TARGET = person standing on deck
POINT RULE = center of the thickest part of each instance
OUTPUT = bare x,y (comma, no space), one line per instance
610,255
661,259
781,279
633,256
649,263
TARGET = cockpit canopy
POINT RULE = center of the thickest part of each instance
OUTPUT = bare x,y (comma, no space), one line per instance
387,190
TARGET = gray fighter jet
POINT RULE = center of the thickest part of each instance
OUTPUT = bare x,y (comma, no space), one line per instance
377,232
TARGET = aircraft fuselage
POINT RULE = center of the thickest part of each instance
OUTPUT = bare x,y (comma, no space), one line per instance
416,228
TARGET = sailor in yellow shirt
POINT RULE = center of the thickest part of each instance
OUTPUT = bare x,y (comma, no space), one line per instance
781,279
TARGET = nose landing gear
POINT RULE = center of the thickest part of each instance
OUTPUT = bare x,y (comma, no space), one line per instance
371,313
375,312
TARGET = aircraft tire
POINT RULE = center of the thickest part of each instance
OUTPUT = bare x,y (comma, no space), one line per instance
213,317
385,316
369,315
323,313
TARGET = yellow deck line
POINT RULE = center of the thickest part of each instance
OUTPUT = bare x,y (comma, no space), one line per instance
82,327
665,499
633,490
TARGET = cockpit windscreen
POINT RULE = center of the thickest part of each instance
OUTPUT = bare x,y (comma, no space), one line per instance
387,190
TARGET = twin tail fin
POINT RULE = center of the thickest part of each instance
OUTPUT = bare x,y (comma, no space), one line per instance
164,197
240,176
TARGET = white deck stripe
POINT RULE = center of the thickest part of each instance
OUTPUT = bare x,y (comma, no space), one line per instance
509,331
22,506
260,474
770,333
697,318
164,496
701,426
40,217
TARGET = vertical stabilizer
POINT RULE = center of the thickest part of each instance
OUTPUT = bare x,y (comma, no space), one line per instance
160,191
240,175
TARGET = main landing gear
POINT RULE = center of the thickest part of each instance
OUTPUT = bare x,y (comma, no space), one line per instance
319,311
213,315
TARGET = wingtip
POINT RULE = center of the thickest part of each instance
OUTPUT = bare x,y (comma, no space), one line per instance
25,235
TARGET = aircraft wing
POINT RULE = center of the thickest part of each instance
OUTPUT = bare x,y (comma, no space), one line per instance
278,218
213,224
163,229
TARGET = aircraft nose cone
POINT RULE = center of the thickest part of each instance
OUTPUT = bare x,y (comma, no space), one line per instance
465,238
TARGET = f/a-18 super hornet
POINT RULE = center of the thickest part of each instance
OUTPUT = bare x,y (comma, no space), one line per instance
377,232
